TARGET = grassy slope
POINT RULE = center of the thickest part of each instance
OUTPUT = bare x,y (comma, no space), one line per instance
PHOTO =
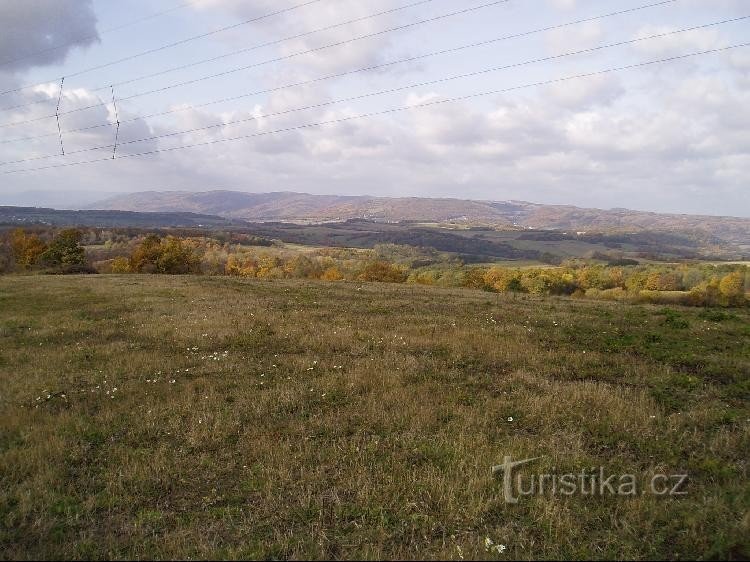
292,419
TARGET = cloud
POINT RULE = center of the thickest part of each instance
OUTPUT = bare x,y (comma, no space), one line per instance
32,27
579,37
669,137
585,93
564,4
320,16
97,123
677,44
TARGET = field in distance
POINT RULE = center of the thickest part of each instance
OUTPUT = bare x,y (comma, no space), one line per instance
216,417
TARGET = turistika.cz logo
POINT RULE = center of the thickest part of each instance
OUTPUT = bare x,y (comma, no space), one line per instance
588,482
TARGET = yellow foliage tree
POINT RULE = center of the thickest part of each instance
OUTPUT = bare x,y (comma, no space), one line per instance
503,280
27,248
241,266
332,274
121,265
732,288
270,267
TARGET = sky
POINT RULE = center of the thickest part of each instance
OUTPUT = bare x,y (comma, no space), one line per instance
315,117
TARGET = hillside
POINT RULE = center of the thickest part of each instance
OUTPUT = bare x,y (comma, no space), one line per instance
477,244
27,216
159,417
286,206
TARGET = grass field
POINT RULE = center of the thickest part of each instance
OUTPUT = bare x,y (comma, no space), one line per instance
172,417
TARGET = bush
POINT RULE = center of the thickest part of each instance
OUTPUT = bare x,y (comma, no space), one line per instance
332,274
474,278
73,269
615,294
120,265
504,280
665,297
732,289
383,272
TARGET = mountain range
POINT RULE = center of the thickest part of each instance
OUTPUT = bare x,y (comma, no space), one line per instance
307,208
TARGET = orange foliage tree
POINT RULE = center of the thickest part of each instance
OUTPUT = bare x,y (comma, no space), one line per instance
27,248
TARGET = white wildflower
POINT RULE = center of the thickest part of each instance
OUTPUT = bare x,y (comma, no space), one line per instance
490,546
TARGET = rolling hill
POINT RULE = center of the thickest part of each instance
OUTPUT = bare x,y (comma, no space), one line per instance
302,207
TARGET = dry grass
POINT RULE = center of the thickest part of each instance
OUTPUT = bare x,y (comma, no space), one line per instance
288,419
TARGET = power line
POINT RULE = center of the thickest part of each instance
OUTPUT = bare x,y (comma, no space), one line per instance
244,50
117,121
169,46
291,38
57,115
369,68
96,36
279,59
379,92
387,111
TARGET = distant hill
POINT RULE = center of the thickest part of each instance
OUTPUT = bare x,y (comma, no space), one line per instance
112,219
302,207
471,243
51,198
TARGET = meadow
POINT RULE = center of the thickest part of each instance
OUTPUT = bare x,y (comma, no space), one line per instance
156,416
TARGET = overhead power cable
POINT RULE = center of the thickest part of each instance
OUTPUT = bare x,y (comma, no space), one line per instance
95,36
387,111
368,95
301,35
366,69
241,51
167,46
274,60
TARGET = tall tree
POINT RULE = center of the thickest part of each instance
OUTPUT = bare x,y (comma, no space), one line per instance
26,248
65,250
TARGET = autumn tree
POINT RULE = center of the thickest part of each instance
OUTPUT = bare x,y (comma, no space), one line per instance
732,288
270,267
503,280
26,248
168,256
6,255
177,258
302,267
474,278
245,265
65,250
145,257
428,277
121,265
592,277
663,281
636,281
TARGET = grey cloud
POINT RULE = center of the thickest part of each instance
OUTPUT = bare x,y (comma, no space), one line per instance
32,27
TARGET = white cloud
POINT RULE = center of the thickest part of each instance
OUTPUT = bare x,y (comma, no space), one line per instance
579,37
676,44
319,17
564,4
585,93
668,138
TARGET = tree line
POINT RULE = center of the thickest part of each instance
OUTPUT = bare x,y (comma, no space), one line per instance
77,251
